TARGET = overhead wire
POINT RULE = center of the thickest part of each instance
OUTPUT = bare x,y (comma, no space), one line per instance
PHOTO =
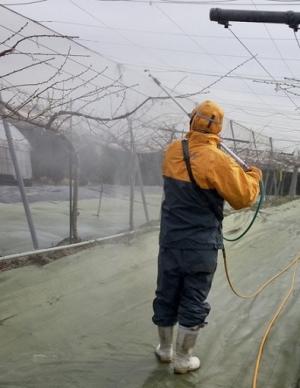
101,54
185,51
196,42
63,70
26,3
93,16
274,43
76,43
262,66
156,32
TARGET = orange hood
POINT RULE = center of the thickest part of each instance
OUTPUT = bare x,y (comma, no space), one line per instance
207,117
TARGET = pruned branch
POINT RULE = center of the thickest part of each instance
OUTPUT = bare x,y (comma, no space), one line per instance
96,118
14,34
10,50
26,67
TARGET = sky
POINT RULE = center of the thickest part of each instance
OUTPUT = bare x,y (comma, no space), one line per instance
251,70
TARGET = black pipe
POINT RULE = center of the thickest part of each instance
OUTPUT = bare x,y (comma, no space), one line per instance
224,16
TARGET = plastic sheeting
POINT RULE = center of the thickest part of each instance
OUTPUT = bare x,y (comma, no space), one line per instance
85,320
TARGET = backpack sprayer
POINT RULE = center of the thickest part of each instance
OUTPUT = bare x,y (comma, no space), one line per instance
224,146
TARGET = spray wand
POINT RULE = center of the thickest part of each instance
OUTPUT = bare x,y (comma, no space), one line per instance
224,146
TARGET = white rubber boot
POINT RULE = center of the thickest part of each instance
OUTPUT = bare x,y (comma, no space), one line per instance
186,339
164,350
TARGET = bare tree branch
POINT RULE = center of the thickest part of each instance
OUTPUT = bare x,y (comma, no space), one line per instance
15,33
28,3
10,50
26,67
96,118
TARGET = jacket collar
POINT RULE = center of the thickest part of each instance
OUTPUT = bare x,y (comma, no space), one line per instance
203,138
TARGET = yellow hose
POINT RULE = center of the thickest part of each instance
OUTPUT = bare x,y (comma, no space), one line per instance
294,262
269,327
260,288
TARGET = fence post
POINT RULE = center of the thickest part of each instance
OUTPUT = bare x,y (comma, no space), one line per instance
140,178
232,134
274,182
134,166
293,186
266,183
70,194
100,198
21,184
75,198
254,141
131,178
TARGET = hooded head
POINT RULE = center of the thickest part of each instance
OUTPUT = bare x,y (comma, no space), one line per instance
207,117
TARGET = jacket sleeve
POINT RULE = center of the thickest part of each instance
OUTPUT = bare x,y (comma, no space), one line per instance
239,188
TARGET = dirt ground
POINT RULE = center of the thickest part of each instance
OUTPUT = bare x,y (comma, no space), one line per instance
85,320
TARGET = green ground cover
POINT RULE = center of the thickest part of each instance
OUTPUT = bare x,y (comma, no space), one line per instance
85,320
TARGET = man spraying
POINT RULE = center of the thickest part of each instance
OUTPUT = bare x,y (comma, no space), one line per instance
198,177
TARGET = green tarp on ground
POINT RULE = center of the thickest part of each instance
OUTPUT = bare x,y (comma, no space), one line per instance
85,320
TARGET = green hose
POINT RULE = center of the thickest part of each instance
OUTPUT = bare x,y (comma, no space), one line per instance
260,202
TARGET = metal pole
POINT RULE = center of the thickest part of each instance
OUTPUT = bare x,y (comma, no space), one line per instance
235,157
21,185
140,178
135,163
232,134
254,141
281,193
167,93
75,196
71,194
228,150
266,183
100,199
131,180
224,16
271,147
293,186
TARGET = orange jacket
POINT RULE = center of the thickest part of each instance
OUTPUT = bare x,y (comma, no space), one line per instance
213,169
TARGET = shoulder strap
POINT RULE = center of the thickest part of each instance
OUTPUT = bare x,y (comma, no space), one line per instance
186,156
